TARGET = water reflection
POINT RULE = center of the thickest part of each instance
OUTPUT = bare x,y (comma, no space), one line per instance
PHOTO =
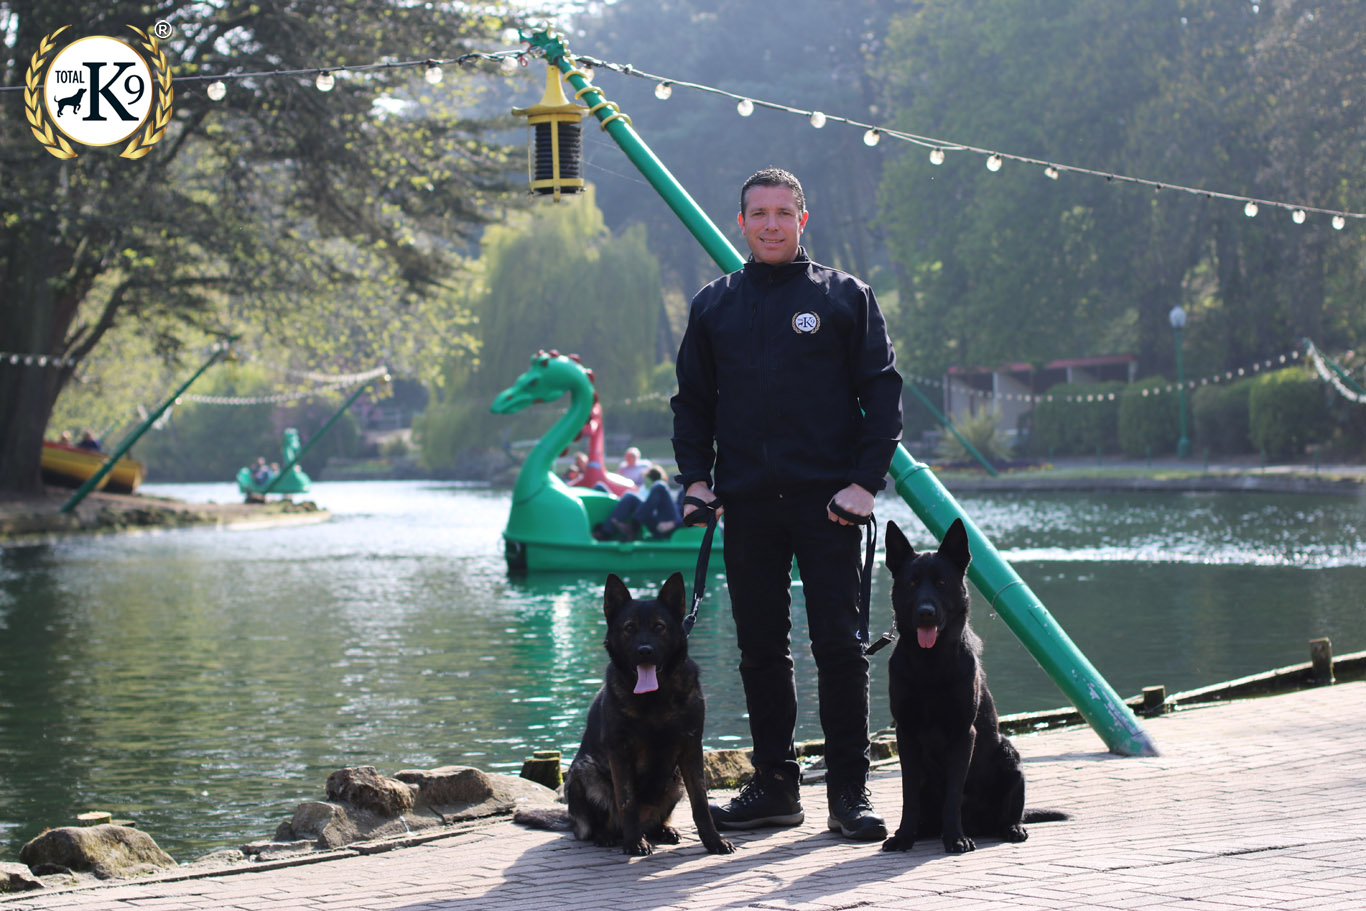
202,682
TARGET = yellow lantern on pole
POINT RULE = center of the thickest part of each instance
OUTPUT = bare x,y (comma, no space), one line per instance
554,157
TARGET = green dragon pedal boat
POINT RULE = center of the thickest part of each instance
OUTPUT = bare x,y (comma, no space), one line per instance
550,523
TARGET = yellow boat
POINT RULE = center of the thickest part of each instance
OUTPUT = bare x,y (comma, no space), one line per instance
72,466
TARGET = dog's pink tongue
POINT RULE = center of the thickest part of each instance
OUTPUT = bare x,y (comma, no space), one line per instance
926,636
645,678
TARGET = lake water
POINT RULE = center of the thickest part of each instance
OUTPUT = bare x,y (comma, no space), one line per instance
202,682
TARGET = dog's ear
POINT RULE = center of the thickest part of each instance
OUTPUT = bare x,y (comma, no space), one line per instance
673,594
615,596
899,550
954,547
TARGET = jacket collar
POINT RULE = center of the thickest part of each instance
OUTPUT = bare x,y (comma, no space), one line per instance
765,272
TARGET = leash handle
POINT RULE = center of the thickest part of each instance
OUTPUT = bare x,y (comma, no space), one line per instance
866,581
848,516
705,513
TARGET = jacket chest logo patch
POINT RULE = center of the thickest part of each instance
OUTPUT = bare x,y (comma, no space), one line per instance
806,323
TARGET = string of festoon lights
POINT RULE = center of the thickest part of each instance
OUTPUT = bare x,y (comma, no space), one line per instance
939,148
325,383
1271,363
1332,377
508,61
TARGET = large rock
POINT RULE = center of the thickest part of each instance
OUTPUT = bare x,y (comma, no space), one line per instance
367,789
364,805
726,769
18,878
108,851
462,792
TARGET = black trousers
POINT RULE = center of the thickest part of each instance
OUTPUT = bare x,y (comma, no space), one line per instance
761,539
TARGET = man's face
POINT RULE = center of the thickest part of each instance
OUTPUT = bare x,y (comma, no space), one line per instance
771,224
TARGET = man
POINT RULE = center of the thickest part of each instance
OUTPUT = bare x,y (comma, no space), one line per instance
633,466
788,395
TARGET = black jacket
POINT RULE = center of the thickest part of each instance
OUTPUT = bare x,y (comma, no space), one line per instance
789,371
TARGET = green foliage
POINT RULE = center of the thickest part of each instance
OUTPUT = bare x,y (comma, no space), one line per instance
1149,417
711,151
323,228
1077,419
555,278
209,441
983,433
1219,418
1012,266
1287,410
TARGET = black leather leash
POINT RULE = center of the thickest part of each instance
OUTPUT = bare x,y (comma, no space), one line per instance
704,513
866,583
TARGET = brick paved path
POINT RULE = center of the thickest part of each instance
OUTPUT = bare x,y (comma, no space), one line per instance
1259,804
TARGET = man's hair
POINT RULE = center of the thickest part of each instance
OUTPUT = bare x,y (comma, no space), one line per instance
654,473
774,177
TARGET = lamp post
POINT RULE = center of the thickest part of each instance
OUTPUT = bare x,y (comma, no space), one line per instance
1178,321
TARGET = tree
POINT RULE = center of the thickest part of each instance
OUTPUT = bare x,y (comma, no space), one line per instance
811,57
271,206
590,293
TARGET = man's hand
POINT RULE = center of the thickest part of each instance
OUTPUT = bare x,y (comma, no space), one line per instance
701,491
852,499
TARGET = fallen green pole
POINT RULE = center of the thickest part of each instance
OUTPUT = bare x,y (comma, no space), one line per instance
1009,596
952,429
319,435
94,480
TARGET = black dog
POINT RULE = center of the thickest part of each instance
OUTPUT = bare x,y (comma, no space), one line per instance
959,776
73,100
643,745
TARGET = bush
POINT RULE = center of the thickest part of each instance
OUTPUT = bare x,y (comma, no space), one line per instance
983,432
1077,419
1287,411
1219,418
1149,417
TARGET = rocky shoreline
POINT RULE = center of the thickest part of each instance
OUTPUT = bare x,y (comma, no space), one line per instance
38,517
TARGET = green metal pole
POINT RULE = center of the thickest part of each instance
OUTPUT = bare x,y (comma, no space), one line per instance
319,435
1183,445
1107,714
952,429
94,480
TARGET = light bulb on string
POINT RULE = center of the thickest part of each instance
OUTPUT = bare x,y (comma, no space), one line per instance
508,64
994,162
1050,172
817,119
432,74
1297,216
1339,222
1250,210
325,81
872,137
936,156
216,91
664,90
744,107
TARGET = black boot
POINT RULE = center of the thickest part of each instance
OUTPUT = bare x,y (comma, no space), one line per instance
851,813
768,799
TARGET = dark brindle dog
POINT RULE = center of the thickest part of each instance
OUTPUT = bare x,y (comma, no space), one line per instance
959,776
643,744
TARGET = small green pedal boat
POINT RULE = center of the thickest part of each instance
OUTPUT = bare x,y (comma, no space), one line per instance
550,524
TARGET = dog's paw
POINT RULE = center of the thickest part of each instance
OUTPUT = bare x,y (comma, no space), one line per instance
960,845
718,845
899,842
665,835
1015,833
641,848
